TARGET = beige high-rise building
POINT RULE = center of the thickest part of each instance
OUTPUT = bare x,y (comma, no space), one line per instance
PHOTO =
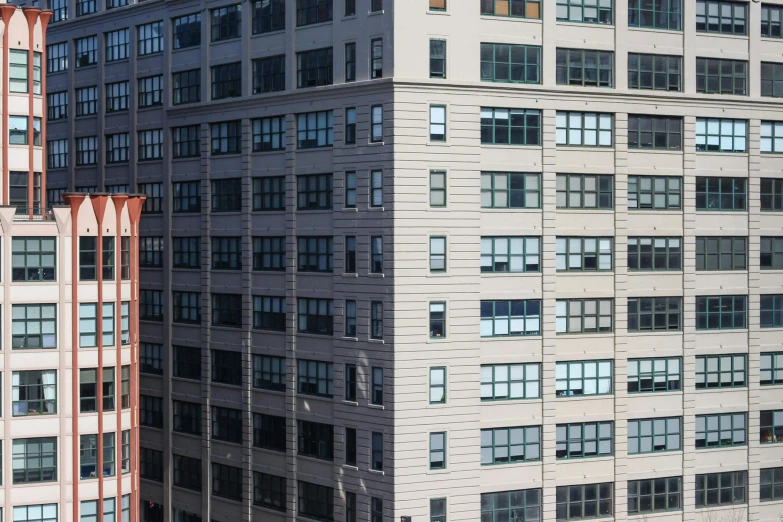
441,260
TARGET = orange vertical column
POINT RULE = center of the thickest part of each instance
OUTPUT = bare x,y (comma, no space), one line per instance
45,17
31,15
6,12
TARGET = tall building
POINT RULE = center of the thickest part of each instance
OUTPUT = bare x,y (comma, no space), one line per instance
446,259
69,369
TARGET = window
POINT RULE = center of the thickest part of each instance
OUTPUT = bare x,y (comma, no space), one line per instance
227,81
268,16
269,432
511,8
315,378
34,326
314,192
34,258
437,320
721,489
150,38
376,396
57,106
585,501
772,79
186,86
315,439
227,424
437,58
55,196
376,254
654,193
771,368
438,450
721,253
584,191
187,362
376,320
654,375
125,390
85,7
721,312
269,253
437,254
17,130
116,45
522,504
719,16
86,51
510,190
150,305
117,148
584,254
349,200
500,382
721,135
509,126
315,254
186,196
721,193
187,31
654,435
438,123
126,509
584,439
226,137
577,378
350,255
151,511
88,456
57,155
654,495
269,490
186,307
227,310
34,460
350,61
186,252
376,456
585,68
771,135
376,127
771,194
154,202
771,484
647,314
510,318
376,188
376,58
440,5
654,132
60,8
655,72
150,91
86,150
226,22
314,129
150,144
314,68
227,481
584,129
227,195
350,126
655,14
187,472
721,76
269,76
584,315
654,253
35,513
88,258
34,392
350,383
437,188
772,311
151,358
269,372
187,417
227,253
151,414
585,11
227,367
510,254
721,430
509,445
315,501
57,57
313,12
438,385
269,313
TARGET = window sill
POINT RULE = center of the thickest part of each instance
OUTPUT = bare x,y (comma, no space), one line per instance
654,30
349,338
582,398
349,209
316,24
661,333
438,12
376,13
186,158
376,341
510,19
267,152
376,472
597,458
376,406
506,146
572,23
233,39
444,143
375,275
352,276
351,403
638,150
225,155
313,458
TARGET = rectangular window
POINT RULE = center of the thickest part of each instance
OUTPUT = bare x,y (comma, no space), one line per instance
583,254
227,481
772,311
34,460
314,68
187,417
150,144
721,76
34,326
186,196
268,16
655,72
150,38
510,254
376,125
227,253
721,489
654,375
771,194
350,447
585,191
437,254
34,258
771,18
376,254
654,253
771,368
511,126
269,74
226,137
437,188
269,372
438,320
721,193
585,68
438,385
227,310
719,16
86,51
315,378
150,305
655,14
151,411
269,253
269,490
721,135
150,91
578,378
269,193
269,313
654,132
721,430
510,318
585,501
350,255
350,126
510,190
86,150
654,193
584,439
523,504
85,7
314,130
269,134
771,484
509,445
57,57
186,86
55,196
437,58
269,432
187,362
34,392
186,252
226,81
186,142
314,192
227,195
438,123
511,8
501,382
584,315
314,254
510,63
772,79
227,367
721,253
376,457
350,61
647,314
226,22
151,358
226,424
654,495
57,155
37,513
154,202
350,379
771,426
584,129
117,148
654,435
376,320
313,12
186,307
726,312
187,472
585,11
315,439
117,45
86,101
349,200
440,5
315,501
57,106
187,31
376,383
771,135
350,320
376,188
60,11
125,388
